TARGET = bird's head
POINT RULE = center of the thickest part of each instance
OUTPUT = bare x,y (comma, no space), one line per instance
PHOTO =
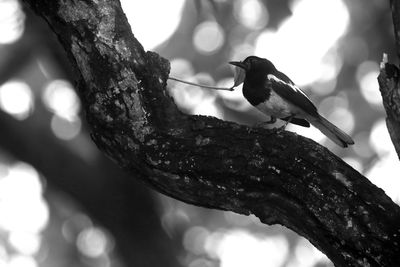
254,64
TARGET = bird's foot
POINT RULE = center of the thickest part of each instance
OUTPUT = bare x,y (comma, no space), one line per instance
272,120
280,129
283,127
265,123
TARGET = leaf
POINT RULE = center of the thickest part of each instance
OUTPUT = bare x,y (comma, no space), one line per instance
239,76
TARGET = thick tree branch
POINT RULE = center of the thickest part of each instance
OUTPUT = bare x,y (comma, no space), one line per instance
389,86
389,83
282,178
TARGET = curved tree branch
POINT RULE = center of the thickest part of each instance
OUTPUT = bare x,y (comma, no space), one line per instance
281,178
389,84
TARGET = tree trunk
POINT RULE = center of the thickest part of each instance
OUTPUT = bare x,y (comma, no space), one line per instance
280,177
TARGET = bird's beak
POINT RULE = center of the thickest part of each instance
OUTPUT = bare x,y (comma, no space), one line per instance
239,64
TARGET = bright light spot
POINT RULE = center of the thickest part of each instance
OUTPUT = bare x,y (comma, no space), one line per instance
330,65
384,173
306,255
26,243
59,96
181,68
329,68
3,254
22,261
153,21
212,243
196,100
335,109
208,108
22,207
369,88
299,45
323,87
3,170
16,98
251,13
23,213
380,139
194,239
367,78
193,99
363,147
74,225
343,119
65,129
329,104
238,248
173,218
208,37
92,242
12,20
187,96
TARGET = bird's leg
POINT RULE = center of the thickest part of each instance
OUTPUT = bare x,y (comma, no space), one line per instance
272,120
263,123
283,127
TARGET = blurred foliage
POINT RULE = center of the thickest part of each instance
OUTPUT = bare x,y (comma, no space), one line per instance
209,34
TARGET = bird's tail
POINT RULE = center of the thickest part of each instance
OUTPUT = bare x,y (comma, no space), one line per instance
331,131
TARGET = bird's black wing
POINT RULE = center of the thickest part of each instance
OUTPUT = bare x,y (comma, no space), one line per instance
286,89
298,121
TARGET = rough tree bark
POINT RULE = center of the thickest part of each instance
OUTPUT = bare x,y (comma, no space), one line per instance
280,177
389,84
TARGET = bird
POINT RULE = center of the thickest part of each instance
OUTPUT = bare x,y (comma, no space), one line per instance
276,95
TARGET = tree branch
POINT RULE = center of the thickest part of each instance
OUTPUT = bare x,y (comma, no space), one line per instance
388,80
280,177
389,83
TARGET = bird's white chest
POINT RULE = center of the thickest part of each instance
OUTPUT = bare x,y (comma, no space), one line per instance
276,106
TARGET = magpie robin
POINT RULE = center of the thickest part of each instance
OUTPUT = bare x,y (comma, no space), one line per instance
275,95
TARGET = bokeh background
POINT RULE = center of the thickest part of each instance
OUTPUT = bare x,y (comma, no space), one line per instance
63,204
